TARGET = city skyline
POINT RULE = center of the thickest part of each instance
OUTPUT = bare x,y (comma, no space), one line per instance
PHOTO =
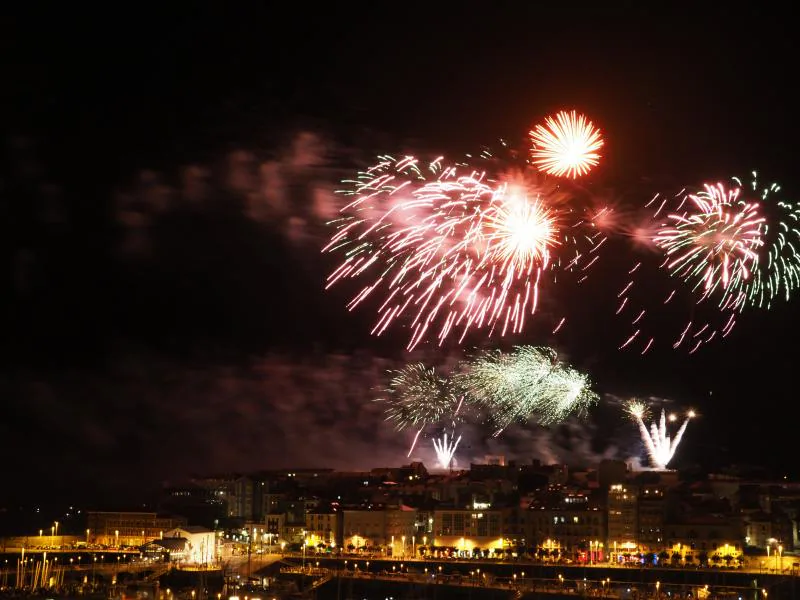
165,208
644,512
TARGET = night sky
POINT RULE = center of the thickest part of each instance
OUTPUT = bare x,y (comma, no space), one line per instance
165,182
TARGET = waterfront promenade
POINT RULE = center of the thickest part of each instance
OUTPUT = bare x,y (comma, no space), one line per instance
513,578
591,580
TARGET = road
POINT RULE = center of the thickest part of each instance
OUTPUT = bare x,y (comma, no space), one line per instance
788,564
594,589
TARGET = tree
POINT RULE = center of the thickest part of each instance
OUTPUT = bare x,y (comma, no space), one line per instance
703,559
663,556
676,558
728,559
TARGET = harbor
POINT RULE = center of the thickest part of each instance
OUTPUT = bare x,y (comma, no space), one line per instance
282,576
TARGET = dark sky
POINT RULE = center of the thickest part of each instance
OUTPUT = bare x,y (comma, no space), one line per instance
165,177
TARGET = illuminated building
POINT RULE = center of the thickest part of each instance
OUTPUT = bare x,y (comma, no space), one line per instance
321,527
569,521
708,534
240,500
201,543
401,527
465,529
274,525
363,528
622,520
128,528
569,528
651,518
262,535
758,528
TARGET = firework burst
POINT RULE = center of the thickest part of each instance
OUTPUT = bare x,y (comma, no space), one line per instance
736,243
528,383
714,245
660,445
418,397
446,449
453,250
566,145
775,272
725,247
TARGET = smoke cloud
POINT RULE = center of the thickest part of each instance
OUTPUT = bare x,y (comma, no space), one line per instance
216,342
275,411
292,193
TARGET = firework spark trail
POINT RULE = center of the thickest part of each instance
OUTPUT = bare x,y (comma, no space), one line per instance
660,447
777,273
727,247
417,397
414,443
665,237
526,383
679,436
736,242
638,411
715,245
455,252
446,449
566,145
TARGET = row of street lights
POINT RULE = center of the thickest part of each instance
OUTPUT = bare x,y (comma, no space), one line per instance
53,532
778,557
413,545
